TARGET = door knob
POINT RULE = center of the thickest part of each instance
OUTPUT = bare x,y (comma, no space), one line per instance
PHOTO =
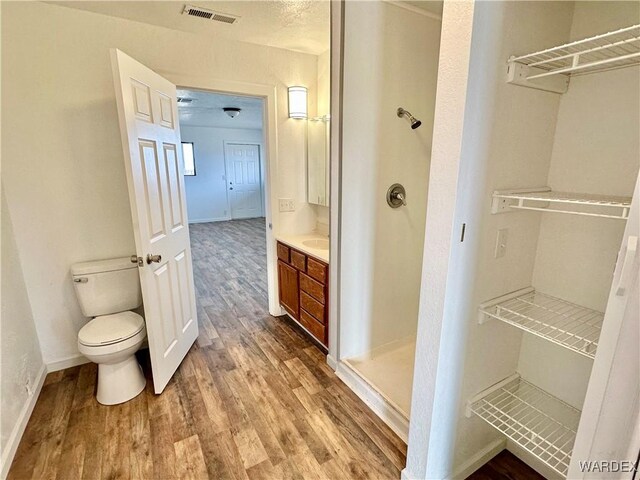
153,259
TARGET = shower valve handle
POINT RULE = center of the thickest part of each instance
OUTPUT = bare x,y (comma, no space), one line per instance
396,196
400,197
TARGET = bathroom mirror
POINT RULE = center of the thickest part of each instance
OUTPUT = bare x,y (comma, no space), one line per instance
318,161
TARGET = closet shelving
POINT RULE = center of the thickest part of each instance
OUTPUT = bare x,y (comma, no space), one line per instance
543,199
563,323
550,69
540,423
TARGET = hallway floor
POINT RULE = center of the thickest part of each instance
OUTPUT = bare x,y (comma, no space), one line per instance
252,399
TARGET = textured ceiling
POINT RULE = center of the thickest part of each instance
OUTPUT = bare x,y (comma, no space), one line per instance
299,25
206,110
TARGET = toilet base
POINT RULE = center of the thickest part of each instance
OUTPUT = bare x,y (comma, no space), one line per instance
120,382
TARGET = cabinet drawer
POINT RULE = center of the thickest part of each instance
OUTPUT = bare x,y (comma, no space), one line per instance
299,260
283,252
317,270
312,306
317,329
313,288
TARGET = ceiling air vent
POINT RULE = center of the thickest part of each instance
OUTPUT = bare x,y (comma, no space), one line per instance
209,14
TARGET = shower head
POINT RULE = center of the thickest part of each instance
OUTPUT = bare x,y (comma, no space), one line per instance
415,123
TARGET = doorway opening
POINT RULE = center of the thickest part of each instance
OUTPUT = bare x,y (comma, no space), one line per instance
222,140
225,182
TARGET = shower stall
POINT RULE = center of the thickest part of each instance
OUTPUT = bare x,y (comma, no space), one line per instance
390,72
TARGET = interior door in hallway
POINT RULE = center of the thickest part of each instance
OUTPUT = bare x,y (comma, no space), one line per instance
148,114
244,180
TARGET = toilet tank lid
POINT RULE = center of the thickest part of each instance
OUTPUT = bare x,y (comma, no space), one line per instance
101,266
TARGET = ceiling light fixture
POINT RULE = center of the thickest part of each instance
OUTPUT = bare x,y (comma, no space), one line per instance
297,102
233,112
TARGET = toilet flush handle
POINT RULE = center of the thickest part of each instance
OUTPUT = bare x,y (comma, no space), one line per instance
153,259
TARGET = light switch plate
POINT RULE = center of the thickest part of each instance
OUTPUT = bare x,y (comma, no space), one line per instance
501,242
286,205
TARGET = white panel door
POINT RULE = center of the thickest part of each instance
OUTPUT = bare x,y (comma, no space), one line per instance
609,425
147,110
244,182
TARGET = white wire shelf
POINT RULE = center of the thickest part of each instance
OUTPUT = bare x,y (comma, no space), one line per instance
545,200
616,49
564,323
540,423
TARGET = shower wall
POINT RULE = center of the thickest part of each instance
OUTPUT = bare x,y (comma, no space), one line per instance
390,61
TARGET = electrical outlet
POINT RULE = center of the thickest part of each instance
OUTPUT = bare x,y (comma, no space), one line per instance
501,243
286,205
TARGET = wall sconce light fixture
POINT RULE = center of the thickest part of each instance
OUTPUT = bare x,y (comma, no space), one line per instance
297,102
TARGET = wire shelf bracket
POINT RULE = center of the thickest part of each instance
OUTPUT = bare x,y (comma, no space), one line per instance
571,326
520,74
543,199
540,423
551,69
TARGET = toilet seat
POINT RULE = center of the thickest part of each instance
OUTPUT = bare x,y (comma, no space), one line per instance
110,329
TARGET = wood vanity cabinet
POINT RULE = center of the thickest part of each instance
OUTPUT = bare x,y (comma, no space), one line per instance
304,290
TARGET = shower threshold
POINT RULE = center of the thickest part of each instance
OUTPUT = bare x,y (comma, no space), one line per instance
388,369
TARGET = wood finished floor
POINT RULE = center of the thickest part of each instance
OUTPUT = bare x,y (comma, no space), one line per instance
253,399
505,466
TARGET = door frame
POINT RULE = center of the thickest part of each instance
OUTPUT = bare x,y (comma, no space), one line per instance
263,173
268,95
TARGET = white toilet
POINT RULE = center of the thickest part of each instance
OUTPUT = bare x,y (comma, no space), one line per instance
106,291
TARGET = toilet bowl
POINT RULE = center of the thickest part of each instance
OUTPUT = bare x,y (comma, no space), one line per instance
111,341
107,290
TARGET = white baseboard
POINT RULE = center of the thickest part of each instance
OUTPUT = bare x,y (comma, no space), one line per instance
207,220
473,464
376,402
20,426
68,362
479,459
332,362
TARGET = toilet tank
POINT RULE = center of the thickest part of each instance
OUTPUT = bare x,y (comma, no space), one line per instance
106,286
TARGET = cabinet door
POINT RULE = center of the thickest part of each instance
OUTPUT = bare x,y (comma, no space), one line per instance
288,288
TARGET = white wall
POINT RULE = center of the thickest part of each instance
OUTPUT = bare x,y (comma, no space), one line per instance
21,366
390,60
61,149
207,191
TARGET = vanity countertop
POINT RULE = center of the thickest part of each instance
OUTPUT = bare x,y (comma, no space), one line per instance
301,242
